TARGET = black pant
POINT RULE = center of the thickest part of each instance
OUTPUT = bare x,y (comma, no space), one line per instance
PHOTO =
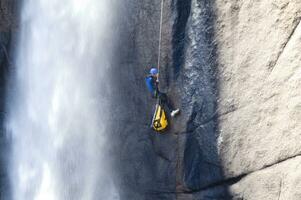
165,101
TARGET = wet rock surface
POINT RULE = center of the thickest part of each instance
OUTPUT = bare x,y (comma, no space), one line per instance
183,160
8,21
145,163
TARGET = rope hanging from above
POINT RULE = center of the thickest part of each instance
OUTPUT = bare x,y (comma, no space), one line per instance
160,36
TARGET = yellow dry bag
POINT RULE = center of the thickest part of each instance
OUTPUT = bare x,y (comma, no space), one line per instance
159,122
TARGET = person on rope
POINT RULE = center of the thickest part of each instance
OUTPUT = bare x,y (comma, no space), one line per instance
152,83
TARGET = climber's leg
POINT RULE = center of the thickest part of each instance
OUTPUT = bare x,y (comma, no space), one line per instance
168,105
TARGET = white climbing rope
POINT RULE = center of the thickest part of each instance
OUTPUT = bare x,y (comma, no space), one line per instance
160,36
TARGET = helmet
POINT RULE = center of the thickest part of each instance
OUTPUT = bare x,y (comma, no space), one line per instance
154,71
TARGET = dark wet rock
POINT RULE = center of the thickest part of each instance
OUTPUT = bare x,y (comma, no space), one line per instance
8,19
185,158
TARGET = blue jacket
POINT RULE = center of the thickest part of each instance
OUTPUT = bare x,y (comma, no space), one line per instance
151,85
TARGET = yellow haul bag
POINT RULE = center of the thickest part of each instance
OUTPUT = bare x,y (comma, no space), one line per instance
159,122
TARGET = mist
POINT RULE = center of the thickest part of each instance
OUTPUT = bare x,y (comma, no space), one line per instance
58,109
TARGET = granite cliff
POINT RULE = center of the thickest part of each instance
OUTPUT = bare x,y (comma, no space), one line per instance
233,68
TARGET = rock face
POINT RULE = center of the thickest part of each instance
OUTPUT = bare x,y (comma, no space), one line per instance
185,159
8,21
233,68
260,51
259,73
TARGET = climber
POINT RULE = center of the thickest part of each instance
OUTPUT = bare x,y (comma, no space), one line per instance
152,83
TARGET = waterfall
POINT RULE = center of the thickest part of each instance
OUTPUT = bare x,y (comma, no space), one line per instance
59,103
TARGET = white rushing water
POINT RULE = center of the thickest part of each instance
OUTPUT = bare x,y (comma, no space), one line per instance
59,101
